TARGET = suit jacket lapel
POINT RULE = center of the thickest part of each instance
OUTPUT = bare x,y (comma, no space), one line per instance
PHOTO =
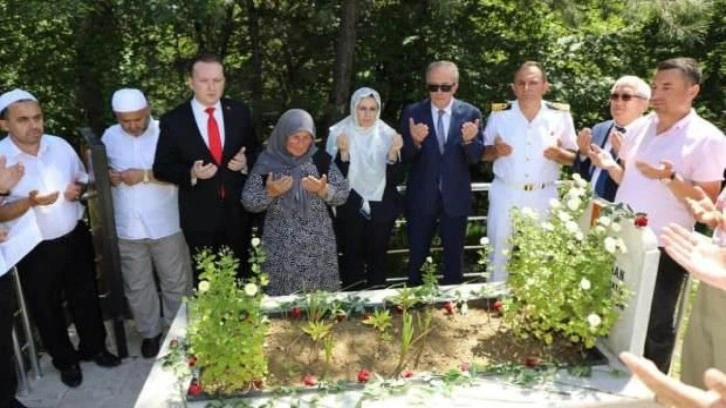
195,134
454,123
227,118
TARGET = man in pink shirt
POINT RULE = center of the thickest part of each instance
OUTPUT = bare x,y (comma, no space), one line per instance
669,152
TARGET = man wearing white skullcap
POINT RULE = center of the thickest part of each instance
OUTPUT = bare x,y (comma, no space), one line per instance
62,265
147,220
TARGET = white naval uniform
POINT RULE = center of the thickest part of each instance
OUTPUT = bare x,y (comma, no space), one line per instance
525,178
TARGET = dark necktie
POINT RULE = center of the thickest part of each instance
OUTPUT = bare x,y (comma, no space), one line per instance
440,134
601,181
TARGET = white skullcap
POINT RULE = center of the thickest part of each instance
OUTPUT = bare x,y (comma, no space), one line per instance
9,98
128,100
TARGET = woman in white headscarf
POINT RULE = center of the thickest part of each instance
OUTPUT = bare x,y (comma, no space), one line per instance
286,181
366,150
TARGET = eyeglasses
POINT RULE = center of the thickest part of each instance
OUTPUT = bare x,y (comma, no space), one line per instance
440,87
624,97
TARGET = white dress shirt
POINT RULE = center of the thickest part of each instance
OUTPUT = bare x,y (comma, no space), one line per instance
529,139
201,117
144,210
54,168
446,119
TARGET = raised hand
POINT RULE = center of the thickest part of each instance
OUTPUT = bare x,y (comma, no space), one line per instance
396,145
73,192
3,235
132,177
584,140
314,185
601,158
418,131
115,177
9,176
656,173
469,130
202,171
278,187
697,254
553,152
704,210
37,199
239,161
501,147
343,146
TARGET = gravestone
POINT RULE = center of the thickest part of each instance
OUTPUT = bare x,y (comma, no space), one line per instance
637,269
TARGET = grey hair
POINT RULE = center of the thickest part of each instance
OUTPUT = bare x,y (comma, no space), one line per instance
445,65
640,87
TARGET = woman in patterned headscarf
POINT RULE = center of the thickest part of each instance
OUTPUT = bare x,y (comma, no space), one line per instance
366,150
298,234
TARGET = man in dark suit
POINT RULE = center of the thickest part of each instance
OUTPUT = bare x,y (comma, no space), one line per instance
205,147
441,138
629,98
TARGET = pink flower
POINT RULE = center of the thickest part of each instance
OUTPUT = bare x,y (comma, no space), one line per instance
406,373
364,375
309,380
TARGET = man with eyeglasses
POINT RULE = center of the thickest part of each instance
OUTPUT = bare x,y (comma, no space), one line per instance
669,155
629,98
527,140
441,137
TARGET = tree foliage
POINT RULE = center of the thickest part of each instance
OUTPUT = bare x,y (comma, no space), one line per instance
281,53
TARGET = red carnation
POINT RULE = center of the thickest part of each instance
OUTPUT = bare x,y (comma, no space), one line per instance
364,375
531,361
192,361
464,367
258,384
498,306
195,388
366,316
309,380
406,373
641,220
449,308
400,308
296,312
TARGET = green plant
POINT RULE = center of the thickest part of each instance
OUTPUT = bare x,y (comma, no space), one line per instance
405,299
560,278
429,290
227,329
380,320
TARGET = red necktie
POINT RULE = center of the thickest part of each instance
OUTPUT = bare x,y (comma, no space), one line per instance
215,141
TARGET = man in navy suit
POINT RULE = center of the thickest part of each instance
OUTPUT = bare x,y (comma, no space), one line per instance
629,98
441,138
205,147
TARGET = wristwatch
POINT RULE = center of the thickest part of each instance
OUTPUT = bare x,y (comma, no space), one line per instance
146,177
5,193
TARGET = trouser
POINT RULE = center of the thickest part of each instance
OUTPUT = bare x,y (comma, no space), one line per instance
8,382
365,243
661,336
234,234
170,257
704,345
452,230
57,267
502,198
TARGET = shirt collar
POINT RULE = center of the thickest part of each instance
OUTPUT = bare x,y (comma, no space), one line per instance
678,125
198,107
15,150
447,109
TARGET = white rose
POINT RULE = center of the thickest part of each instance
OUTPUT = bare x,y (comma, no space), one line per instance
547,226
203,286
594,320
611,245
429,259
621,246
576,176
604,221
574,203
600,229
579,236
255,242
581,182
615,227
563,216
528,212
250,289
572,227
555,203
484,241
585,284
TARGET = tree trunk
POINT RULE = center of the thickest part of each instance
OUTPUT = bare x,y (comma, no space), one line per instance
343,70
255,84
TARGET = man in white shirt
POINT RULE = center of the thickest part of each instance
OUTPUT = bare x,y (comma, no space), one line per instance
62,265
671,151
528,140
9,177
147,220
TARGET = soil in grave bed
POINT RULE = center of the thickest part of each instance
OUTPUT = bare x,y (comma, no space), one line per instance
478,337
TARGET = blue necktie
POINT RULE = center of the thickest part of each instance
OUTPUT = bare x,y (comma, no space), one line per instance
440,131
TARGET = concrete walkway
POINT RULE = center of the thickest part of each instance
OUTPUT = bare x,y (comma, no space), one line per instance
101,387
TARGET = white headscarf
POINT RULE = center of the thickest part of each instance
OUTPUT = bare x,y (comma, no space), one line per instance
368,149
